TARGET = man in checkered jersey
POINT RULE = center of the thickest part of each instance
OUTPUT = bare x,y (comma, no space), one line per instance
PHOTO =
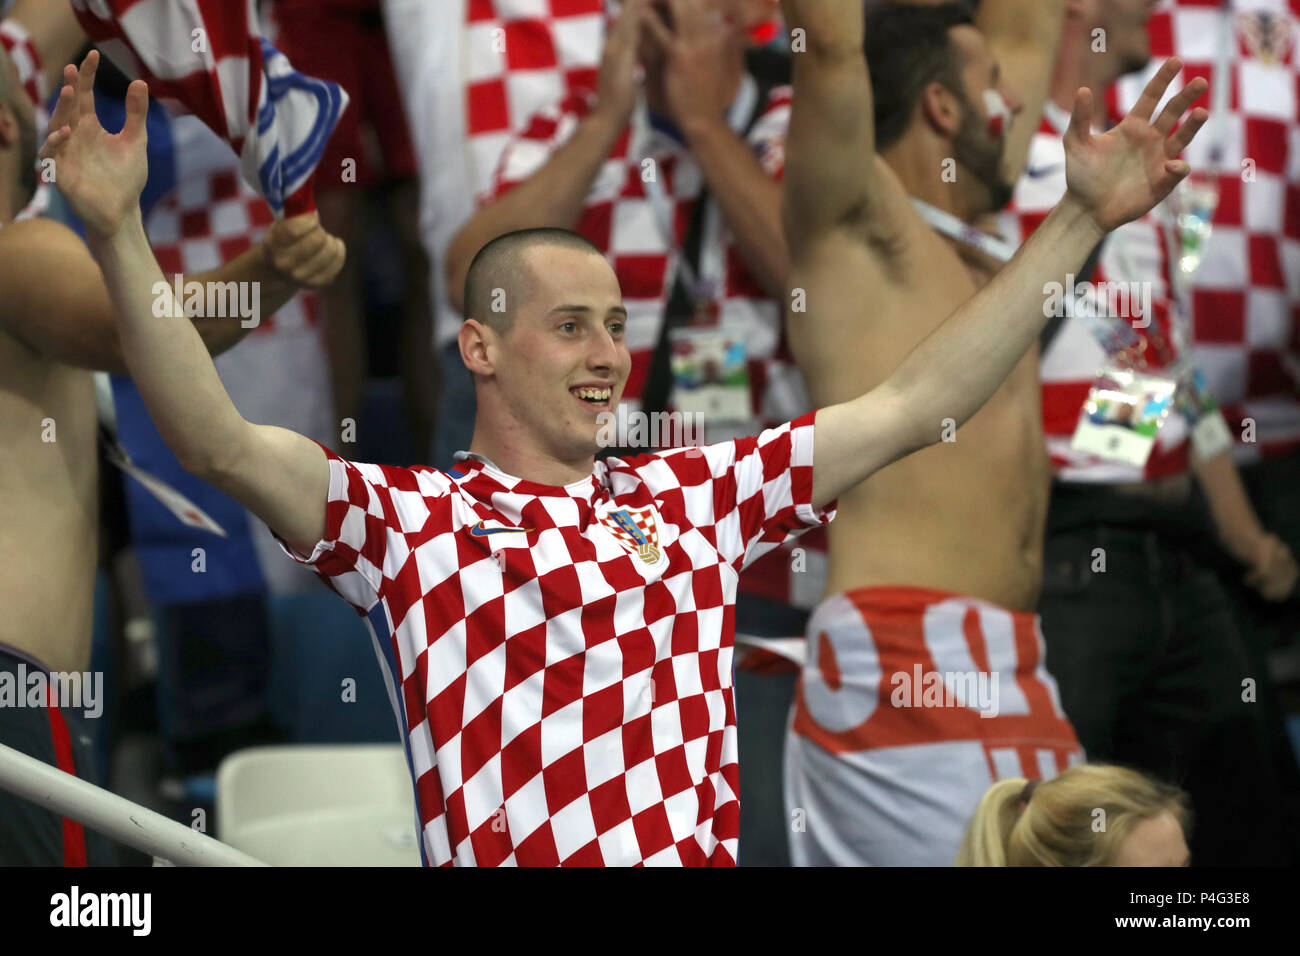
1148,655
557,631
698,250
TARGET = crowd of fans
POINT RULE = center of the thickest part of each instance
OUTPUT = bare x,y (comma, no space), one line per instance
1139,607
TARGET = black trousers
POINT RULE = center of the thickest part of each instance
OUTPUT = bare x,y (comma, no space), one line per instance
1274,489
1153,670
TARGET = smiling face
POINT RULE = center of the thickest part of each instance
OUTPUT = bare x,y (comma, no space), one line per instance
561,359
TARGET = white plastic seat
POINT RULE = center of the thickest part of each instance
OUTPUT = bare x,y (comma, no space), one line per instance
319,805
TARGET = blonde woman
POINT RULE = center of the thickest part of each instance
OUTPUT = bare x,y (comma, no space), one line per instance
1090,815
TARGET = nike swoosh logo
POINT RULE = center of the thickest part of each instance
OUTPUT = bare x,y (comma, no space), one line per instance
478,531
1040,171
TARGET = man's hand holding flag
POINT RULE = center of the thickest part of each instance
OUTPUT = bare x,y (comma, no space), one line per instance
208,57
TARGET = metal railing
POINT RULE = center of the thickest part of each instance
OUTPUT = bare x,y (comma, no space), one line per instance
114,816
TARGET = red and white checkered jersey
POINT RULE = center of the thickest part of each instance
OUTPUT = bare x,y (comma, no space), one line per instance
1136,252
561,657
1245,302
27,60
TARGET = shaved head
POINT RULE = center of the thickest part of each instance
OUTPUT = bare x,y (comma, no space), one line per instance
500,280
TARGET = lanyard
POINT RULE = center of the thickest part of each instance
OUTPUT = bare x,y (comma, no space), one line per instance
1114,335
707,282
945,223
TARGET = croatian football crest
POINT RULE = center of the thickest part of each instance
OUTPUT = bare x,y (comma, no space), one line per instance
637,530
1267,35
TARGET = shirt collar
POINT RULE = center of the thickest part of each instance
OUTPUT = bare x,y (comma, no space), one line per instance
470,468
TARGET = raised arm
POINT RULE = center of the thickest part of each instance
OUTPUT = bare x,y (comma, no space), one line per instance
1023,36
1112,179
277,474
831,148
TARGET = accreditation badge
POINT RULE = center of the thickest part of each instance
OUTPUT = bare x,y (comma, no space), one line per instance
1123,414
710,374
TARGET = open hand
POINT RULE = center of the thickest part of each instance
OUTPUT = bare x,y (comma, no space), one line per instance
697,53
99,174
1123,174
303,252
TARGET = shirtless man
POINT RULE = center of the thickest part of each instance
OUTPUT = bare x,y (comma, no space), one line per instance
56,323
924,680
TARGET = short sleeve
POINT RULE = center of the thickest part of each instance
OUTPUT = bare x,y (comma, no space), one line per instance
367,513
531,148
755,493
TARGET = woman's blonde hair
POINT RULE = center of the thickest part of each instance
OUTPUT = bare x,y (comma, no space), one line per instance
1078,818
